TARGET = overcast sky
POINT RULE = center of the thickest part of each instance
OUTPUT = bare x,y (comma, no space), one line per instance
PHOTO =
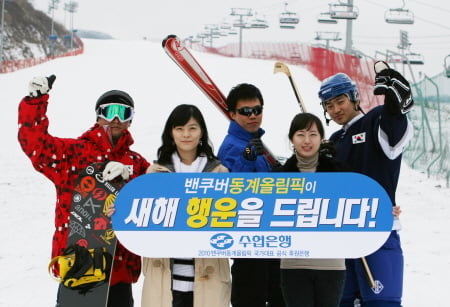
135,19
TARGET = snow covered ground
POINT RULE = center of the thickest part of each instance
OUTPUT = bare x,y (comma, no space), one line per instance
142,69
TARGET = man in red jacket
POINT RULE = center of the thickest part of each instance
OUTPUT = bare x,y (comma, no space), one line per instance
61,159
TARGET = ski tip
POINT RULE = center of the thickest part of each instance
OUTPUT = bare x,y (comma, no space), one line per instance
167,38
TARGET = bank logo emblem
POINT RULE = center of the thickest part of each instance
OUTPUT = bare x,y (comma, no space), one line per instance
221,241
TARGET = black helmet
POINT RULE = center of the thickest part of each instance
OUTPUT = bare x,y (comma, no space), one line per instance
115,96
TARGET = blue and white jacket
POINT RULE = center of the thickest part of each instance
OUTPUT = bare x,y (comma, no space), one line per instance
232,148
372,144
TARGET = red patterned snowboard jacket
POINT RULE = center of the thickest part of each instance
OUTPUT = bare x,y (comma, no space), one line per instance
61,160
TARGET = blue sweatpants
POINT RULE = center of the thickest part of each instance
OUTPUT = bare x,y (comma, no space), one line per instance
386,265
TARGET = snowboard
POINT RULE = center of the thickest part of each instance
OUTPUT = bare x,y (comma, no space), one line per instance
90,228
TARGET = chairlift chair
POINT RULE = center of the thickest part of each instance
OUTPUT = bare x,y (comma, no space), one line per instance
343,11
289,18
413,58
399,16
287,26
325,18
239,24
225,25
259,23
395,59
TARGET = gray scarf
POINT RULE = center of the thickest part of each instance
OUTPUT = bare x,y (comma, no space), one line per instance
307,165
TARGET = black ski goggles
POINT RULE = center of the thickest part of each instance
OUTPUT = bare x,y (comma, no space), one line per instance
248,111
112,110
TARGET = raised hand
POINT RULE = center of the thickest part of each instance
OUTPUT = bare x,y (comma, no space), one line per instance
389,82
39,86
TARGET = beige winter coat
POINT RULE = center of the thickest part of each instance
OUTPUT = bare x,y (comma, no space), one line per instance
212,281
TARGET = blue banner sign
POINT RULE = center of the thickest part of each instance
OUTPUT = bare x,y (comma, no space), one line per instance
255,215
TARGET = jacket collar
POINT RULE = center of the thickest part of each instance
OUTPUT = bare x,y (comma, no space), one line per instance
236,130
98,135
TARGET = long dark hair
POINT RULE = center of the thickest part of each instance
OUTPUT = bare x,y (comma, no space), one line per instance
179,117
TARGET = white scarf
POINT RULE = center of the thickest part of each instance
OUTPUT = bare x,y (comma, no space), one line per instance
196,167
179,269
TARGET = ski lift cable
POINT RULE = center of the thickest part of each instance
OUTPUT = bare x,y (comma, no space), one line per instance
438,8
431,6
433,23
415,37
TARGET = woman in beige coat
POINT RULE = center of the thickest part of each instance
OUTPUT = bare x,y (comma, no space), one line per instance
186,282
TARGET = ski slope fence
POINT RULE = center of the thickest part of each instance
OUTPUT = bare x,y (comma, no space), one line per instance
320,61
428,151
10,66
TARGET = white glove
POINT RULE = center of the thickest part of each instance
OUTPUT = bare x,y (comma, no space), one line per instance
114,169
39,86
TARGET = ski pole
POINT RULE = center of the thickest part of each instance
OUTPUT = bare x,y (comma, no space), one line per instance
281,67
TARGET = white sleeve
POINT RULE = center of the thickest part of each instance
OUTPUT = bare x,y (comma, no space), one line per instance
393,152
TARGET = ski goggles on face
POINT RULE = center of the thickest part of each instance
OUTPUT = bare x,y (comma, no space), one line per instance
247,111
112,110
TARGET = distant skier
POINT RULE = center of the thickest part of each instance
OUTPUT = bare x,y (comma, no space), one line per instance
372,144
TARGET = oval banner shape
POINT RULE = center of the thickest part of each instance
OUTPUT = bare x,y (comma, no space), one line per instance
254,215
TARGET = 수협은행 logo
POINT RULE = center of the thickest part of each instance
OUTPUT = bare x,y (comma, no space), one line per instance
221,241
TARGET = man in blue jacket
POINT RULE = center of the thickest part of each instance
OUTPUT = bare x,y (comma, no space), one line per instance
255,282
372,144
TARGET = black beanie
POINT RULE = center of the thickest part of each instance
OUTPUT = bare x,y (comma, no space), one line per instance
114,96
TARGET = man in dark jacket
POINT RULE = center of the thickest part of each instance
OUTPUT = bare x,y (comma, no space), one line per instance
61,160
372,144
255,282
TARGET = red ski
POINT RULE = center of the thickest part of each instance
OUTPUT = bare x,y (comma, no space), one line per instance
178,52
